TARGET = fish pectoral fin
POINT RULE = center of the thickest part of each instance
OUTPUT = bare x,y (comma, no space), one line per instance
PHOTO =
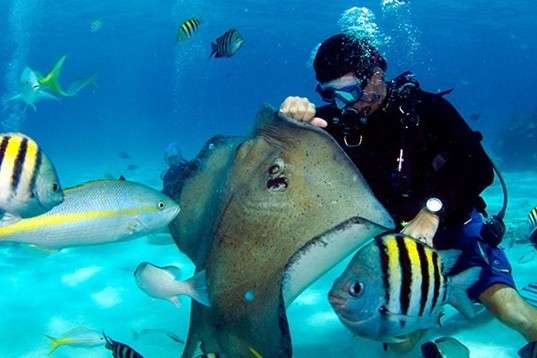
46,95
457,295
134,227
8,219
17,97
175,271
45,250
198,288
175,300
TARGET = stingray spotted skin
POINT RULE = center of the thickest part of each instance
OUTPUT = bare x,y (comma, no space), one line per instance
279,209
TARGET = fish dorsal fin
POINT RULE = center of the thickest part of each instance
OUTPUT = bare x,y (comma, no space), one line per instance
9,219
449,259
174,270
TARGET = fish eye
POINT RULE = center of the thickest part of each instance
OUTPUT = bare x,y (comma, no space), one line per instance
55,187
161,205
356,289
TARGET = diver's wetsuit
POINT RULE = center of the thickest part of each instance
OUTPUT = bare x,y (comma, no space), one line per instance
442,158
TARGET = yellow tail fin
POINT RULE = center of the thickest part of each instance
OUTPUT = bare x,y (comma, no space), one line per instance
56,343
52,79
255,353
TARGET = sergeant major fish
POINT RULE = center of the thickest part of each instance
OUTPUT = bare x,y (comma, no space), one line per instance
164,283
227,45
120,350
532,220
96,212
395,285
29,185
187,29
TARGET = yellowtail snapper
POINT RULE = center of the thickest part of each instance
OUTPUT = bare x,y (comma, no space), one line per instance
120,350
187,29
396,285
96,212
227,45
80,337
29,185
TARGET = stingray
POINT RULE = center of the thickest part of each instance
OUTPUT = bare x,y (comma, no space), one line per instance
265,216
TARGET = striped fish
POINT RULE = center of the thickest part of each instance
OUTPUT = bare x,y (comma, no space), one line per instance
227,45
29,185
532,219
96,212
187,29
396,285
120,350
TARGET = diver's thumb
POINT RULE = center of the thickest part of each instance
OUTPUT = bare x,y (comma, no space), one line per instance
319,122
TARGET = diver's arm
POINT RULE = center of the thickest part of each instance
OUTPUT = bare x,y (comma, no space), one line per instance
464,170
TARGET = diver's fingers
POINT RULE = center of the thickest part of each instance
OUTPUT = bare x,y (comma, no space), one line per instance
319,122
308,110
297,108
288,107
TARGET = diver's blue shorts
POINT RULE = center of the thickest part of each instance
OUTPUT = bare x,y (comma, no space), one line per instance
475,252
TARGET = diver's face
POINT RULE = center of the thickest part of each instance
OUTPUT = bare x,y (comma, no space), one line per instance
365,98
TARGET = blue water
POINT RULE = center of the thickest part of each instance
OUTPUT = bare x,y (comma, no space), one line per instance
152,91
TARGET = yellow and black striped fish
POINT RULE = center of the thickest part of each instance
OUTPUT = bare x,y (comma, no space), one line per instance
120,350
29,185
396,285
187,29
532,219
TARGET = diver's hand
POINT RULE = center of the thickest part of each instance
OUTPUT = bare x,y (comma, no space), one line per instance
302,110
423,227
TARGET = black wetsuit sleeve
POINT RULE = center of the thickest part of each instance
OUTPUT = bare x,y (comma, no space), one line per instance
463,169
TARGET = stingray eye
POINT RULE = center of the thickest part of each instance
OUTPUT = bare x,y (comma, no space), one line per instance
277,184
55,187
161,205
356,289
277,167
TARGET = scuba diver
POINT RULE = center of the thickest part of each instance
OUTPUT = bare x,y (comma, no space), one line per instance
423,163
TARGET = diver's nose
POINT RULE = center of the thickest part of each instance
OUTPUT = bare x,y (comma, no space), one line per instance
335,300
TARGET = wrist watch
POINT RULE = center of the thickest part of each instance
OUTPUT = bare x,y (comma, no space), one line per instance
434,205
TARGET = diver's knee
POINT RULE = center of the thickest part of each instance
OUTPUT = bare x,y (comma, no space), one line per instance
507,305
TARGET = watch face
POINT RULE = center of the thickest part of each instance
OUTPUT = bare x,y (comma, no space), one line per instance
434,205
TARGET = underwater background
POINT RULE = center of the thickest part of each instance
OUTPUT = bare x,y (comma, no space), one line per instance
152,91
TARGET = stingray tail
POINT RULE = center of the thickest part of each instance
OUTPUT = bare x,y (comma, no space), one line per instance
198,288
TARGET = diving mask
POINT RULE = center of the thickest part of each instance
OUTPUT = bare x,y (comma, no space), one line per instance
343,96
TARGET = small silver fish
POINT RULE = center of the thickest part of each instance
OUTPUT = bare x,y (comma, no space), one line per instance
164,283
29,185
396,285
227,45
